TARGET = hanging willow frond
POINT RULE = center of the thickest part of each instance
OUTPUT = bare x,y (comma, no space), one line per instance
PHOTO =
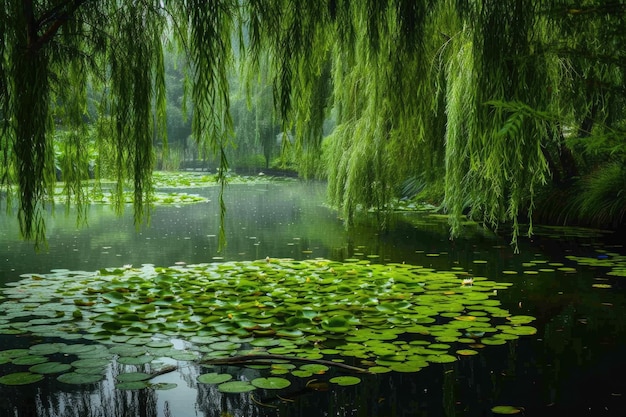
482,93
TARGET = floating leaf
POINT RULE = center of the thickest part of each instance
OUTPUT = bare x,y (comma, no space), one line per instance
20,378
135,360
506,409
29,360
213,378
345,380
46,348
440,358
301,373
315,368
50,368
76,378
466,352
271,383
236,387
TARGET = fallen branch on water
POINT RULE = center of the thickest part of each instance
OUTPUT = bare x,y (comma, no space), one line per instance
246,359
164,370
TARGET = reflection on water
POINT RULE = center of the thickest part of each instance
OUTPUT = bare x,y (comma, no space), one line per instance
575,362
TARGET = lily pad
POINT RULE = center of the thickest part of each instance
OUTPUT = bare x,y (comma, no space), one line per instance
50,368
506,409
236,387
76,378
271,383
29,360
20,378
214,378
345,380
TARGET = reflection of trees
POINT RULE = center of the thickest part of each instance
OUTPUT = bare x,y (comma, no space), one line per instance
425,393
103,402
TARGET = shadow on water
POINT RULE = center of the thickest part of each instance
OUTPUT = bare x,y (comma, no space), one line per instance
573,366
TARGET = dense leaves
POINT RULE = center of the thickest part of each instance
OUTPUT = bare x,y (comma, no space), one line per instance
389,316
489,104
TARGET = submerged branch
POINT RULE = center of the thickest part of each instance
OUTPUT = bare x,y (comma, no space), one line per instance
243,359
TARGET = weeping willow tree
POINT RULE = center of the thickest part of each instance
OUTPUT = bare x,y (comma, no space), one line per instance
480,96
52,50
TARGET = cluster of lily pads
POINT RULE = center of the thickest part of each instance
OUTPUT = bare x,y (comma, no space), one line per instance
374,317
180,179
158,198
163,180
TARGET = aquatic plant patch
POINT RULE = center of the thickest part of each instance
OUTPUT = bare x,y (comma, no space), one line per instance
164,179
159,198
383,317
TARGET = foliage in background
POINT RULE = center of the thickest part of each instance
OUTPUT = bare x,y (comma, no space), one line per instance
492,104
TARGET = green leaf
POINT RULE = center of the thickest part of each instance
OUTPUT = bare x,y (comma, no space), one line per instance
214,378
75,378
345,380
236,387
20,378
271,383
50,368
506,409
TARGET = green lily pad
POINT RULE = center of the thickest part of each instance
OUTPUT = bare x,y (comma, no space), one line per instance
271,383
90,363
29,360
224,346
345,380
236,387
135,360
301,373
315,368
467,352
50,368
46,348
441,358
14,353
20,378
77,349
213,378
128,350
506,409
76,378
521,330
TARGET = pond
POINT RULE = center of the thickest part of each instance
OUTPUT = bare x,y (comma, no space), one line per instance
566,286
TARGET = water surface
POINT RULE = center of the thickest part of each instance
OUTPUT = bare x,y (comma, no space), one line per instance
574,365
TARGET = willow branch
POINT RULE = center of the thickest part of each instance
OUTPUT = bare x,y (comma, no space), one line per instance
36,43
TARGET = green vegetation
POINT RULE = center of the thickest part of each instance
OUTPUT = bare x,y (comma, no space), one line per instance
379,317
502,111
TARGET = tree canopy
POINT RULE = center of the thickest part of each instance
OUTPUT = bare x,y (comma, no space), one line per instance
495,105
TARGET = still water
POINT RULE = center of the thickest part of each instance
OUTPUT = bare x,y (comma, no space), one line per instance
574,365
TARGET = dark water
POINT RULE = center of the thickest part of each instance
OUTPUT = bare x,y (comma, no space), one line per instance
575,364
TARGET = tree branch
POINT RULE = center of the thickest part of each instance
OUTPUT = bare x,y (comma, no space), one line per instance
53,15
267,357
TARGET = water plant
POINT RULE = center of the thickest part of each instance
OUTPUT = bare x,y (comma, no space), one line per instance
362,316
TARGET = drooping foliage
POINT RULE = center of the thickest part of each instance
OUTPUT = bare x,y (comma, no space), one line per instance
491,102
